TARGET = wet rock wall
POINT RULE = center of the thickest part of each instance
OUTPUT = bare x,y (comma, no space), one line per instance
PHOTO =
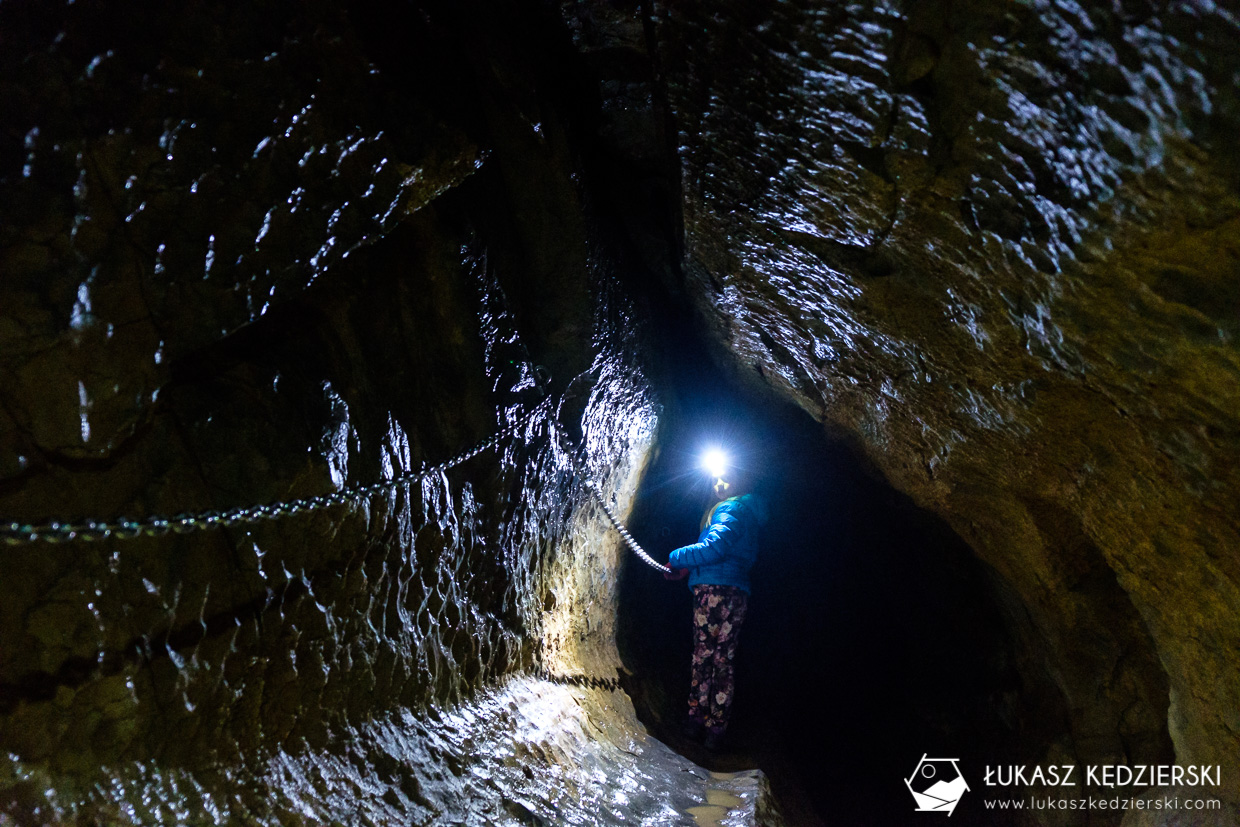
253,253
994,246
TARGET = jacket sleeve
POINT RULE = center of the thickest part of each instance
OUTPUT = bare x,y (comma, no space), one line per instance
712,548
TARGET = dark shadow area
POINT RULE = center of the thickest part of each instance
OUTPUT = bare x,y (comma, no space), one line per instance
874,634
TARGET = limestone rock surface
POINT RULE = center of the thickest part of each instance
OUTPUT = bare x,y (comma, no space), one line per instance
256,254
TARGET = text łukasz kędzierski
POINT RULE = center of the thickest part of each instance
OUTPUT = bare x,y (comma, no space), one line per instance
1104,775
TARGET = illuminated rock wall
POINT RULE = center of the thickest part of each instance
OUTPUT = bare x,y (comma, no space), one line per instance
253,254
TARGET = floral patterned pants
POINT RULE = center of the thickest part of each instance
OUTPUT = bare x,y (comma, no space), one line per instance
718,612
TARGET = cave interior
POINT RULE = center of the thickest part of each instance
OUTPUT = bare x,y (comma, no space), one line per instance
957,284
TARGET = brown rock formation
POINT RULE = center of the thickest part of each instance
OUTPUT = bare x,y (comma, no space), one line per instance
996,247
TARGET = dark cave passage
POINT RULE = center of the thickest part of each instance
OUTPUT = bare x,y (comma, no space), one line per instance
874,635
369,256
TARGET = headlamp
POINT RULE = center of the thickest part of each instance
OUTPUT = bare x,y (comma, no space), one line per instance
715,462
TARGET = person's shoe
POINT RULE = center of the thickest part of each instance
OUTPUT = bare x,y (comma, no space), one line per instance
713,740
693,729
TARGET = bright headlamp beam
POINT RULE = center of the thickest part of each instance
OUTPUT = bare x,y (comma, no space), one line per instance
715,462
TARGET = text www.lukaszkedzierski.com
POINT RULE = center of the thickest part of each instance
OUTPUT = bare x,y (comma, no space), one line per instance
1097,803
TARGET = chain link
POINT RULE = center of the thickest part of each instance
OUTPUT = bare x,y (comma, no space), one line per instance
624,532
597,493
18,534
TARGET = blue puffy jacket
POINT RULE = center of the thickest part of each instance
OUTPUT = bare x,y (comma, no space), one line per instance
728,545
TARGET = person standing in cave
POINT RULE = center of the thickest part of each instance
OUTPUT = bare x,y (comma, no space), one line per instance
717,566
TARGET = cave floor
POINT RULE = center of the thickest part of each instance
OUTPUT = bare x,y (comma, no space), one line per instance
543,753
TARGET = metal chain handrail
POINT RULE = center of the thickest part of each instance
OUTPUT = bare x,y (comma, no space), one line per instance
17,534
624,532
567,447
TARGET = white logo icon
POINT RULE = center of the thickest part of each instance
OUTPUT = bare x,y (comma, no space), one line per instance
936,785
